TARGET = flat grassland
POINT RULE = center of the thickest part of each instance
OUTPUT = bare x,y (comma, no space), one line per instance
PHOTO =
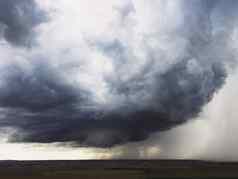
117,169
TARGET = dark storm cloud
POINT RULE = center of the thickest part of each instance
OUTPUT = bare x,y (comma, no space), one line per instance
36,91
53,118
18,19
46,109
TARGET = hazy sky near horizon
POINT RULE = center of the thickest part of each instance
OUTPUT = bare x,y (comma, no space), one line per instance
118,79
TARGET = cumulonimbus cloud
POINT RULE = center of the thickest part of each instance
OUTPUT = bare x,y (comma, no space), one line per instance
111,76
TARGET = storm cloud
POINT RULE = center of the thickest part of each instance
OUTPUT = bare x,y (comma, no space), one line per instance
101,78
18,20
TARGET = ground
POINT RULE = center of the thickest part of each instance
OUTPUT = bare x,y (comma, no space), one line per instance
117,169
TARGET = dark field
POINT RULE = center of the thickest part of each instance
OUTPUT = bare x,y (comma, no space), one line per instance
117,169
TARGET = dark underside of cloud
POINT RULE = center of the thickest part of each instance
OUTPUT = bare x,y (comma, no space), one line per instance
45,112
44,108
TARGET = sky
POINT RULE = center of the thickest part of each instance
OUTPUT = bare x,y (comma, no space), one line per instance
118,79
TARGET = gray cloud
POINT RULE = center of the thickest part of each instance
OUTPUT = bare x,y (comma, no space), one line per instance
18,20
51,102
